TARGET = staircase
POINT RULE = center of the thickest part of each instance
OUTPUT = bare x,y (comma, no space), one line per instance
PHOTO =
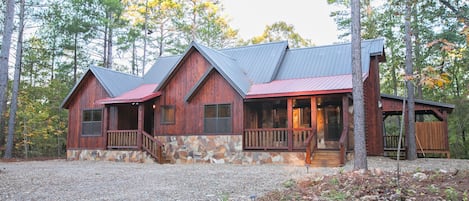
326,158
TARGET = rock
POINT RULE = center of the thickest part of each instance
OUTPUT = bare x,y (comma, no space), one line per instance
420,176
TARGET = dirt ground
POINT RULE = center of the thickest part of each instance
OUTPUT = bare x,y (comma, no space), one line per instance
378,185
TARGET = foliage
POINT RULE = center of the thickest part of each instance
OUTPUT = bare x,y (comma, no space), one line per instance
279,31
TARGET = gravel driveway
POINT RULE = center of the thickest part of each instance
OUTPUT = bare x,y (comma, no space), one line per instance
101,180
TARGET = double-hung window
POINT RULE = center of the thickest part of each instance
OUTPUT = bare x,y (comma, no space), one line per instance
217,118
91,122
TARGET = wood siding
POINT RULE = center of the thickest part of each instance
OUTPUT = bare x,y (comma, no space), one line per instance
189,116
373,114
85,97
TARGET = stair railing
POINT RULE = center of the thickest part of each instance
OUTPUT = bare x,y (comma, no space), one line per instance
153,146
310,145
343,142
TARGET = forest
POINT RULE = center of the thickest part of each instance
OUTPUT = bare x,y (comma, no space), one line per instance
47,45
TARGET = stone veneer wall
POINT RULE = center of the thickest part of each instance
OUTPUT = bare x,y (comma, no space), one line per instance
110,155
222,149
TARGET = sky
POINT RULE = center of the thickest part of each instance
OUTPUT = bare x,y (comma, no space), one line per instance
309,17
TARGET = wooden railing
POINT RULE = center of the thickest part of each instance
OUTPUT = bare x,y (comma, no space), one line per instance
311,146
122,139
132,139
276,138
391,142
343,144
153,147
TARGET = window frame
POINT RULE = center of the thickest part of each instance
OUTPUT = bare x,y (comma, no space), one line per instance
92,122
163,119
218,119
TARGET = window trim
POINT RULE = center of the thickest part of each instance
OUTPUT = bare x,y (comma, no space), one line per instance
83,122
218,119
162,115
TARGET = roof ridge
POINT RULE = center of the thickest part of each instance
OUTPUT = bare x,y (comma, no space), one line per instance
114,71
335,45
254,45
214,50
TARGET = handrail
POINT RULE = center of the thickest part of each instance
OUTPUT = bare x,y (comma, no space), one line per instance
308,147
152,146
342,144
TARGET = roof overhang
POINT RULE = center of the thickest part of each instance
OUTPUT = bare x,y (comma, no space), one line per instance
138,95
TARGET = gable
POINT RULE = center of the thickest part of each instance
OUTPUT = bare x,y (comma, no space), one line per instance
225,65
86,92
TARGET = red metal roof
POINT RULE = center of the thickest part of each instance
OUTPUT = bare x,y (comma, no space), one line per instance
140,94
304,86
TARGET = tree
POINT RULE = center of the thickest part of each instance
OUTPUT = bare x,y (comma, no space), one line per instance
279,31
16,83
357,82
409,71
4,57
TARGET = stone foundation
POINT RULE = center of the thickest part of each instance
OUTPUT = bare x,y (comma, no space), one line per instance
222,149
110,155
218,149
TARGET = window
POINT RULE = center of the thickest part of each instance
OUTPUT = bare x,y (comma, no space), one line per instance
168,114
217,118
91,122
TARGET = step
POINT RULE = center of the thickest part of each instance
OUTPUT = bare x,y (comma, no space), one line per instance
326,158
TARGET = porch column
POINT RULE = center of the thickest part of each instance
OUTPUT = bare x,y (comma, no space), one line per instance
314,129
105,124
141,116
290,123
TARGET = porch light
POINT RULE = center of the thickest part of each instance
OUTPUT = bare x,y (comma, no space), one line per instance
153,106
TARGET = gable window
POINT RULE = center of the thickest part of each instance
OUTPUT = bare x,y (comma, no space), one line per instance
217,118
91,122
168,114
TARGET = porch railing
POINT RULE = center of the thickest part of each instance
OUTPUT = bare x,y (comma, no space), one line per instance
276,138
391,142
122,139
132,139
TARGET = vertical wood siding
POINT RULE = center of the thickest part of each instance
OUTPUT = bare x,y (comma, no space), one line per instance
373,114
85,97
190,115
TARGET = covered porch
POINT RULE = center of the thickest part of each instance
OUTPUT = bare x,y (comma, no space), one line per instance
128,123
308,124
431,126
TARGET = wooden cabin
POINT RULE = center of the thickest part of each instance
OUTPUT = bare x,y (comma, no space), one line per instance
255,104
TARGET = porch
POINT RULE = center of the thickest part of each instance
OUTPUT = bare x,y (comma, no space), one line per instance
315,125
127,127
431,127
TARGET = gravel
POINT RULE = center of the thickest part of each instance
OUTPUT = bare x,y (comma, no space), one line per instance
101,180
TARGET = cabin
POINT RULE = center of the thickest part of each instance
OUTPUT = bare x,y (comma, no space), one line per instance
255,104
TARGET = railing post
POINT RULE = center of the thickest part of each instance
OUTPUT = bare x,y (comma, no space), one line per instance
290,123
141,115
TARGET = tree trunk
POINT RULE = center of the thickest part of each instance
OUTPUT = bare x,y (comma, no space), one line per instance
145,38
357,82
75,58
134,59
105,44
5,54
109,47
16,84
411,145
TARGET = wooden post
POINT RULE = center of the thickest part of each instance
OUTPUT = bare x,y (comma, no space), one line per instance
314,114
105,125
290,123
445,125
141,116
